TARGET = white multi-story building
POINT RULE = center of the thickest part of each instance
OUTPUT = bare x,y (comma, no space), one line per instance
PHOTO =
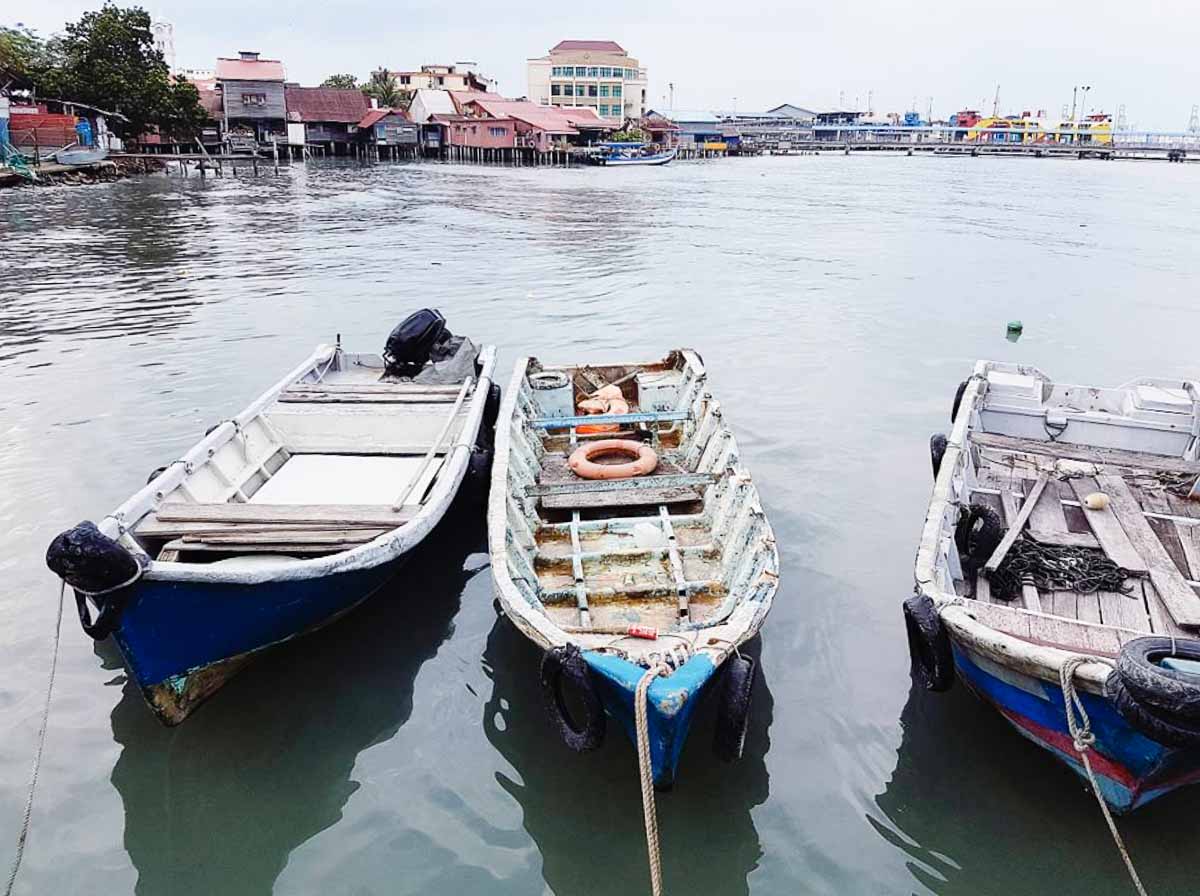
594,73
164,41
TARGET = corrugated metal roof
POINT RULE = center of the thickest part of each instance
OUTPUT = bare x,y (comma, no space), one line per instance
374,116
545,118
347,106
465,96
434,102
249,70
600,46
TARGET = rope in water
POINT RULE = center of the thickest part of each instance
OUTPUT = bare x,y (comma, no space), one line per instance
37,756
647,774
1080,727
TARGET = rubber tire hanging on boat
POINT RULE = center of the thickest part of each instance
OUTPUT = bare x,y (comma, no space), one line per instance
155,473
1177,694
733,708
491,408
977,535
928,644
566,664
937,450
94,565
1170,731
958,397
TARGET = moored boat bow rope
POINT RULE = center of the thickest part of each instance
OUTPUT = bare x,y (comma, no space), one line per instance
1082,738
647,773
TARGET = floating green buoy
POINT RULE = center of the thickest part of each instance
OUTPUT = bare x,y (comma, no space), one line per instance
1015,326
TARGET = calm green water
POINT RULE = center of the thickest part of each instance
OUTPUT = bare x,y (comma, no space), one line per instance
837,302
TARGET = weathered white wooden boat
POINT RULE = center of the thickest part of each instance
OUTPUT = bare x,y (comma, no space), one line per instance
1064,531
81,155
671,570
281,518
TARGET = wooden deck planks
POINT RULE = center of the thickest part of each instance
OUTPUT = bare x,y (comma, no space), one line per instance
1109,531
1134,460
1173,590
1017,523
376,515
1030,599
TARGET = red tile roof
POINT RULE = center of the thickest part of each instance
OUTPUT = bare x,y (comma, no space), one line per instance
249,70
465,96
601,46
374,116
338,104
583,117
543,118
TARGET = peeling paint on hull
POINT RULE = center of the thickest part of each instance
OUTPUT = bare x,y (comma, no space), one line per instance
183,641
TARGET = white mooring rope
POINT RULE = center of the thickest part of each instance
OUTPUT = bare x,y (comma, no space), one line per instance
37,756
647,774
1083,739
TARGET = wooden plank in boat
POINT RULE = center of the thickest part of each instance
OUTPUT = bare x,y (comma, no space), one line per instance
1109,531
1048,523
150,527
1030,599
177,546
1125,610
555,473
378,515
384,388
1167,531
1161,621
1065,604
362,398
283,535
1104,456
1172,588
1017,523
1087,608
1063,539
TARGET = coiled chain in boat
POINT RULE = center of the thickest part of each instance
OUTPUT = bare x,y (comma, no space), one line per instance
1056,568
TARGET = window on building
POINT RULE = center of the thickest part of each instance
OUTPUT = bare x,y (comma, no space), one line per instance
631,74
556,71
593,72
568,71
441,80
606,71
497,132
616,91
603,111
604,90
568,90
254,99
555,90
591,90
405,79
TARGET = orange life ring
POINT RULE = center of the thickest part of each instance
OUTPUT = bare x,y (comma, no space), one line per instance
645,460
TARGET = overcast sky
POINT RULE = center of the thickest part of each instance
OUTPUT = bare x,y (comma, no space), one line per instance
1144,54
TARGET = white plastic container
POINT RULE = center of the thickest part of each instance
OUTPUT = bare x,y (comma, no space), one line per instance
553,393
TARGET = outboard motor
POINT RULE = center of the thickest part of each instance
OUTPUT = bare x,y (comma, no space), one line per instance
96,567
410,346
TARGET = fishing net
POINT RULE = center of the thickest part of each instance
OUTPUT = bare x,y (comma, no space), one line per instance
1056,568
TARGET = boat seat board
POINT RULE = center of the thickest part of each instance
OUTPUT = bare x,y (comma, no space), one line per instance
374,515
1114,457
556,472
345,479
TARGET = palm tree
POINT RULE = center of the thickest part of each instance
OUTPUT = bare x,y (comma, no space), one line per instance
382,87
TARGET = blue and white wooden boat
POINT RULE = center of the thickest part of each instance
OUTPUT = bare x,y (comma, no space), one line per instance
280,519
1098,474
613,154
673,569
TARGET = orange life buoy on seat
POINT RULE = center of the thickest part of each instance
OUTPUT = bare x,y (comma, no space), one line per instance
607,401
645,460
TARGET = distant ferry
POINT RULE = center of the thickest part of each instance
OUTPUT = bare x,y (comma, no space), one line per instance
1095,129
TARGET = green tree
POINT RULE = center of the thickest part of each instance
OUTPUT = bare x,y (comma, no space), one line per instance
342,82
107,59
22,56
382,87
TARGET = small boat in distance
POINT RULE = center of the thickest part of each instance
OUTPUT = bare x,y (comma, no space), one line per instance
630,154
661,568
286,516
1057,571
81,155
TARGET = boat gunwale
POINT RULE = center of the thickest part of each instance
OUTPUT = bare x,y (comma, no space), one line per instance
383,549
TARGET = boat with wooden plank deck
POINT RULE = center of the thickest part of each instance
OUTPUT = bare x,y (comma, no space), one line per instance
287,515
1061,553
652,580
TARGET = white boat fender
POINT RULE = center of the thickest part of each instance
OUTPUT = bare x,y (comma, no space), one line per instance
1161,702
937,450
977,535
97,568
567,663
733,708
928,644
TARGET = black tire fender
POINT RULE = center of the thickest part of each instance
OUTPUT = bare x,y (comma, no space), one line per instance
1177,694
937,450
958,397
491,407
928,644
734,692
1170,732
977,534
566,665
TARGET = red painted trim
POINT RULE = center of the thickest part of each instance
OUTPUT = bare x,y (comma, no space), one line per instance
1062,743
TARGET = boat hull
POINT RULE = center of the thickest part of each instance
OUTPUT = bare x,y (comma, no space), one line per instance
671,704
81,156
182,641
1130,768
660,159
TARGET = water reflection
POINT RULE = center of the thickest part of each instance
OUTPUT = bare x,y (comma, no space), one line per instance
585,811
218,804
976,809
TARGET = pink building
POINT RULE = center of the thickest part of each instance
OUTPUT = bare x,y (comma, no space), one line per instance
478,133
